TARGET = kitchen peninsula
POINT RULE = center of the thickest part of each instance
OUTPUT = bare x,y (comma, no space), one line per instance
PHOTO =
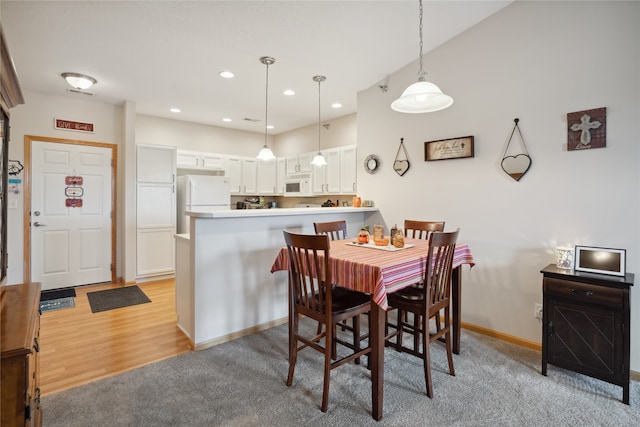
224,288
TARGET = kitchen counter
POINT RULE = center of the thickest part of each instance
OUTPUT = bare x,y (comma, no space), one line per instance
240,213
224,288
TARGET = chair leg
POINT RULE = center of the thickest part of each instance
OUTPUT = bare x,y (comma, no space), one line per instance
293,349
426,355
447,337
356,336
400,321
327,367
416,335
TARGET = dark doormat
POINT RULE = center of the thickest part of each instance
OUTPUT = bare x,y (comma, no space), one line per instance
56,304
57,294
116,298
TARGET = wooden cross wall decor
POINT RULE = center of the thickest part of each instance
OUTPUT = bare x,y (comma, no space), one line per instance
587,129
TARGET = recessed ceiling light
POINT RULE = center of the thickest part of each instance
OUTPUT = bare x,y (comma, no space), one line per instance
226,119
289,92
226,74
336,105
269,126
175,110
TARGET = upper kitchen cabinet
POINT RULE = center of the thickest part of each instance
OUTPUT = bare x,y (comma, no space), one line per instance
348,167
299,164
156,163
326,179
196,160
266,172
242,173
281,173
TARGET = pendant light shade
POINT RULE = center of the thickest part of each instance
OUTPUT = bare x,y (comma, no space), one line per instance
265,152
423,96
318,159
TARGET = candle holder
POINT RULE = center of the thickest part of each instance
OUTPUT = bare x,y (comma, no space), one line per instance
564,257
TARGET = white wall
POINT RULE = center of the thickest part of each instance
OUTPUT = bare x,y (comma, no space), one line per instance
341,131
198,137
35,117
536,61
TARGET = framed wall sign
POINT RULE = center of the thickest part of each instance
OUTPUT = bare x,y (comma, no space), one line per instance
601,260
452,148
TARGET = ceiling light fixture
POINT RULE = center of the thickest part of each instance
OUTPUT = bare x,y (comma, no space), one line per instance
79,81
266,153
289,92
423,96
226,74
318,159
174,110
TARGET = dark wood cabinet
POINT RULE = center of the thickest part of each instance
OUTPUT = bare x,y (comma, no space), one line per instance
586,324
20,371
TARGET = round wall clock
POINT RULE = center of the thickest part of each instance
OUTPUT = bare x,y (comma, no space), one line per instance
371,163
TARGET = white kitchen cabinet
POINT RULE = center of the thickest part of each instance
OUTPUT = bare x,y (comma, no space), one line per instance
242,174
156,210
299,164
266,182
348,168
281,173
156,163
326,179
197,160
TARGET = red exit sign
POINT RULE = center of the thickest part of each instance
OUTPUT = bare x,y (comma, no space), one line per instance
74,126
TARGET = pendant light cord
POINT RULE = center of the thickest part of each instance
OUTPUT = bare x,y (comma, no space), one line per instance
319,81
421,71
266,105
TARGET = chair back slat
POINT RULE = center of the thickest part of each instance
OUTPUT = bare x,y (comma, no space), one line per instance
308,273
336,230
421,229
437,278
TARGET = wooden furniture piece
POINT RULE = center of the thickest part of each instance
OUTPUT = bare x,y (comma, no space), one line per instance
336,230
312,295
376,272
421,229
20,320
426,302
586,324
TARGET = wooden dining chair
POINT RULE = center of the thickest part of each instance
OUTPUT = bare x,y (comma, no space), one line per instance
311,294
336,230
425,302
420,230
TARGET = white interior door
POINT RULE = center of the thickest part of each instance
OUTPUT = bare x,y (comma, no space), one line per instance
70,214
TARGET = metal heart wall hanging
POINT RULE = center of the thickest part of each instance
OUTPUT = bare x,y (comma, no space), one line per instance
401,166
516,165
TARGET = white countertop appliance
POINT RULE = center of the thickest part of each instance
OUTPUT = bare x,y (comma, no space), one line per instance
201,193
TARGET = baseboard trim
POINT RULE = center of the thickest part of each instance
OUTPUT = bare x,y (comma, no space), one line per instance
239,334
502,336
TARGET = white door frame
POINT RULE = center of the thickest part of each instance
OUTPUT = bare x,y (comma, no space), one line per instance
28,139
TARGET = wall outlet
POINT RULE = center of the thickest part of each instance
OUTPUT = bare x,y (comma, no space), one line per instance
537,313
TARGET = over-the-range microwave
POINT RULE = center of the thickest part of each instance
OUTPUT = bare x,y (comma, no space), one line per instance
298,185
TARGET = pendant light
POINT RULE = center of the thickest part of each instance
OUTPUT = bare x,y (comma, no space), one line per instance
423,96
318,159
266,153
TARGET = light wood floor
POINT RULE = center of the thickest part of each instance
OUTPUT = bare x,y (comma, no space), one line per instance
78,346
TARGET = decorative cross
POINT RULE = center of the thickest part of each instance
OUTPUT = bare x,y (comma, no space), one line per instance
585,126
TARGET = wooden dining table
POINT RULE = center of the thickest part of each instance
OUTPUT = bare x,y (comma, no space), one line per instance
380,271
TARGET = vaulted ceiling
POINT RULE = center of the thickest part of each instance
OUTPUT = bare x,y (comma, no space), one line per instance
164,54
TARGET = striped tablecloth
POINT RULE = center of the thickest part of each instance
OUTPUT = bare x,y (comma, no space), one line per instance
377,271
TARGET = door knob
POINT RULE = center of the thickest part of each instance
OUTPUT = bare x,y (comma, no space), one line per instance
37,224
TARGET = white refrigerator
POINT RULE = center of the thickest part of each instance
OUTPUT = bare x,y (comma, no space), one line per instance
201,193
